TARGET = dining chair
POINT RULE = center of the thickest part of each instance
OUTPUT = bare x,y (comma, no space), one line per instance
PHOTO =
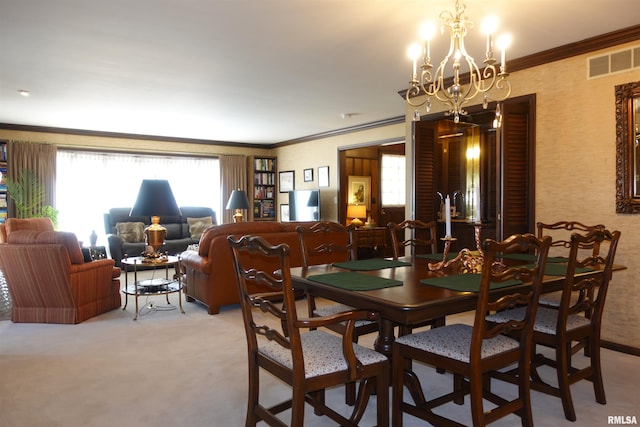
472,352
576,323
327,242
422,239
292,349
560,233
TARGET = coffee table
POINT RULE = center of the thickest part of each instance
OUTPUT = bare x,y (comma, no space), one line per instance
154,286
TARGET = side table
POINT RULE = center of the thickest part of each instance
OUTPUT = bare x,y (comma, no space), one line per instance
155,286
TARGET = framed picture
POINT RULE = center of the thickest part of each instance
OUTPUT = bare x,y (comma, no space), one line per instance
284,213
323,176
287,181
308,175
359,188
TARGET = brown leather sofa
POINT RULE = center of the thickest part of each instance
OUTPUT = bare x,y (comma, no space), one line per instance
209,274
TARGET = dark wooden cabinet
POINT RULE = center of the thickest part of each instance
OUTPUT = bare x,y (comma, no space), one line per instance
506,171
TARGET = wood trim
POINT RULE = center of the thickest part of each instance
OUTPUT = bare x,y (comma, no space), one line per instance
634,351
103,134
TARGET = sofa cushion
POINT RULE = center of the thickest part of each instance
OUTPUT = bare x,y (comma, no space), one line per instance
198,225
131,232
174,231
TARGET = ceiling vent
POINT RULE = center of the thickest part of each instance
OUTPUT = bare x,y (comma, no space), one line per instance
615,62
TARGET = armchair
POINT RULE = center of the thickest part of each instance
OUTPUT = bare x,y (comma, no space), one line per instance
49,282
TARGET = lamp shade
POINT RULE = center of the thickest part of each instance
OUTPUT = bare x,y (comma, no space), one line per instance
155,198
356,211
238,200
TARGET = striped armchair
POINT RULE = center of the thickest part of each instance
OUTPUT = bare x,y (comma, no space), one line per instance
49,281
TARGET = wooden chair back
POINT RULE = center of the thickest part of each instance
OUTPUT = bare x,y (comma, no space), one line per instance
560,233
327,242
494,273
423,237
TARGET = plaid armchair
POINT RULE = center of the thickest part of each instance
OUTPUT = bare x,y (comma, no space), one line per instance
49,281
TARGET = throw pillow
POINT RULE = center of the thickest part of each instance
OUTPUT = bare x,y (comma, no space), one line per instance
131,232
198,225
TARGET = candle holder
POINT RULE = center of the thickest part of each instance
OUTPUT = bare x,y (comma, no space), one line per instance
433,266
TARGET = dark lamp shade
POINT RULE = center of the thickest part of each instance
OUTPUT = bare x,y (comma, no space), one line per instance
155,198
238,200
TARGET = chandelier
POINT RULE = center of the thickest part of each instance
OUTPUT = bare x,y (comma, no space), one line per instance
462,65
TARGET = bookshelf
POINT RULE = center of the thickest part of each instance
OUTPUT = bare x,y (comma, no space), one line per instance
4,210
262,190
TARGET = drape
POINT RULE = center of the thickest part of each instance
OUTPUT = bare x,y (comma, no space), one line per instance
40,158
233,176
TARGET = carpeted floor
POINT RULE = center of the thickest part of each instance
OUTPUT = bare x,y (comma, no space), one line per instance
172,369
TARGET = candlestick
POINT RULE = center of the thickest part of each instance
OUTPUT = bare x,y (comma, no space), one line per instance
447,208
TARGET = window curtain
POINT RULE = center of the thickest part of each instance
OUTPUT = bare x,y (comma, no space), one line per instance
39,158
233,176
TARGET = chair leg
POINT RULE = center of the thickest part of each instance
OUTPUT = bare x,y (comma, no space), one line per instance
350,393
297,406
596,366
252,401
563,361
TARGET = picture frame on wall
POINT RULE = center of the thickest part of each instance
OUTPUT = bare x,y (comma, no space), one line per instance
286,181
308,175
323,176
359,188
284,213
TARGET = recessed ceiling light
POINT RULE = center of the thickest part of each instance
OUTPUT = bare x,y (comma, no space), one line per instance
24,92
348,115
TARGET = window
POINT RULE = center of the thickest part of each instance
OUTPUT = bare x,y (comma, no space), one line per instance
88,184
392,180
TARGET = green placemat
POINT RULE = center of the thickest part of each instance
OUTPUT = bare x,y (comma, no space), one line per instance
465,282
560,269
529,258
438,256
370,264
354,281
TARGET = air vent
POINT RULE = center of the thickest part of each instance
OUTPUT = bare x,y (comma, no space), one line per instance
615,62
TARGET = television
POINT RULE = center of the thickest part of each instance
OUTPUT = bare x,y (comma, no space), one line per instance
304,205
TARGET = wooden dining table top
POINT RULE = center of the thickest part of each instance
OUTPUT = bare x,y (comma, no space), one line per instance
412,302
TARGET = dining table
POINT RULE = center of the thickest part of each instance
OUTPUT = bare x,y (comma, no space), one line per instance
407,292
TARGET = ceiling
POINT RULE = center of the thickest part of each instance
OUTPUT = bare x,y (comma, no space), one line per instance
249,71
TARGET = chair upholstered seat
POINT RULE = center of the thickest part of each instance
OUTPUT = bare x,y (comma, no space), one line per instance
546,319
331,309
454,341
322,354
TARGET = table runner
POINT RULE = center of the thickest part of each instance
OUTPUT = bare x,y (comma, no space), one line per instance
371,264
465,282
354,281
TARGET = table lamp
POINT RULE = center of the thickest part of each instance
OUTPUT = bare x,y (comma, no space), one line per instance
155,199
356,212
238,201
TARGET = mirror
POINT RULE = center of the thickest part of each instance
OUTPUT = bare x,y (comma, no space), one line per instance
628,148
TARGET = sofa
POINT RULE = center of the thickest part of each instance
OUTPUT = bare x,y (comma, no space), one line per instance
50,282
126,238
209,273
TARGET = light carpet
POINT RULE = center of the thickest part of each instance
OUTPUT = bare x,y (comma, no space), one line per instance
173,369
